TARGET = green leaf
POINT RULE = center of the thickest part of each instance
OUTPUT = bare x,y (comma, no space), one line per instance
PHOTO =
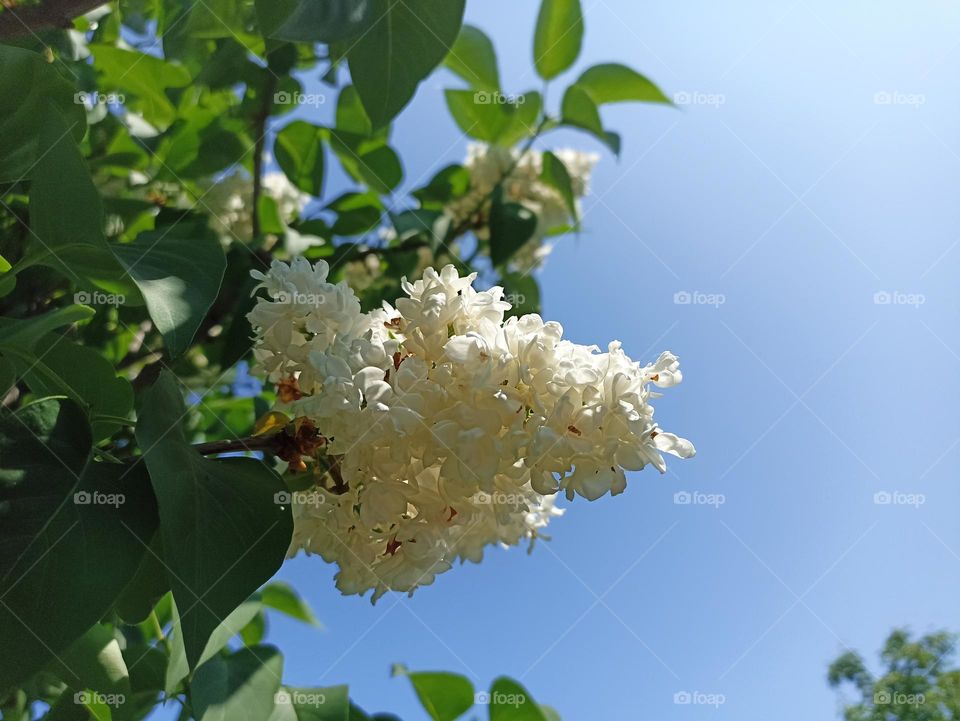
351,116
312,704
555,175
98,662
327,21
449,183
509,701
521,291
4,265
511,225
70,528
492,117
356,212
408,39
179,275
64,368
145,77
615,83
558,37
445,696
368,160
31,87
299,153
238,687
223,533
282,597
579,110
473,58
24,334
66,214
178,668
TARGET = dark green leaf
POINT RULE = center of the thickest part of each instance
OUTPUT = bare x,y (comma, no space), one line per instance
555,175
406,41
223,532
70,528
356,212
558,36
66,215
615,83
98,662
239,687
580,111
299,152
509,701
31,88
474,59
327,21
511,225
179,275
449,183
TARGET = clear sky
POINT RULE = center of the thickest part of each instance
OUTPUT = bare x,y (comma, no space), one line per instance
816,166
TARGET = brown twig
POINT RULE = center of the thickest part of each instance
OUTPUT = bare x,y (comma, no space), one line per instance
270,442
16,21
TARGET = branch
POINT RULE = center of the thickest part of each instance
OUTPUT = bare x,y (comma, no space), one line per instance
271,442
259,133
18,21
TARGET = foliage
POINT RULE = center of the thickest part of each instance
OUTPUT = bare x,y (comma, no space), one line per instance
136,196
915,683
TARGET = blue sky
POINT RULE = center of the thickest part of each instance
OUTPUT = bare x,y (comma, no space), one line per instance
816,167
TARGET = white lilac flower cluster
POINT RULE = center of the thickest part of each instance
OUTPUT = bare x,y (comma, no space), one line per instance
230,201
450,429
488,164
